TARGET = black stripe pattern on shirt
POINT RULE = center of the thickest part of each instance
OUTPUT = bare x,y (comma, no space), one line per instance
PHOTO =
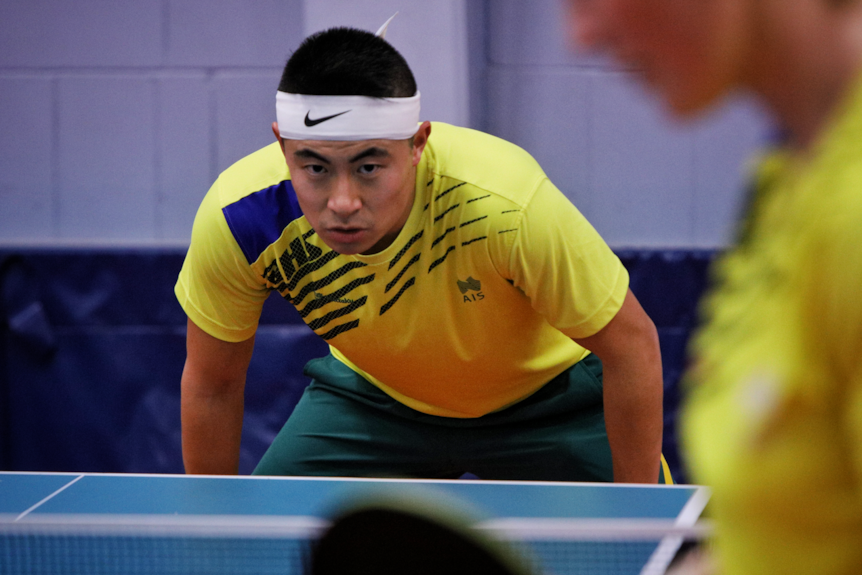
302,259
325,319
403,250
410,281
440,260
444,233
339,329
472,221
440,239
319,302
309,268
445,192
325,281
441,216
408,284
467,243
412,261
457,205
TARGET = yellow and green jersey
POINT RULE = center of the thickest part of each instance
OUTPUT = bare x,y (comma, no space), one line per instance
774,420
472,308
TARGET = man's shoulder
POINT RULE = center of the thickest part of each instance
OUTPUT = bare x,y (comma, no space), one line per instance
483,160
257,171
468,146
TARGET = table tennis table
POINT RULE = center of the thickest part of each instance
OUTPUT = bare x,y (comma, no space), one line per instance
69,523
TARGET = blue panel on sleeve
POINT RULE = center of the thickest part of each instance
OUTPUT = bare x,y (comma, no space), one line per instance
258,219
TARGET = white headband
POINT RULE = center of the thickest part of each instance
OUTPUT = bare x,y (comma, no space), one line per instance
306,117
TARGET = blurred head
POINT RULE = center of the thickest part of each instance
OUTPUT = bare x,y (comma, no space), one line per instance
689,51
348,126
799,56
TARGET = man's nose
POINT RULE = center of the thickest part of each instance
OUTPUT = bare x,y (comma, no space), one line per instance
584,25
345,198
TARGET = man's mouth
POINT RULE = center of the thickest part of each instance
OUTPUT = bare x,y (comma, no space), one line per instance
345,234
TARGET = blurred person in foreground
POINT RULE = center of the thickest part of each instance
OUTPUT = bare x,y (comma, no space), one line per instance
773,419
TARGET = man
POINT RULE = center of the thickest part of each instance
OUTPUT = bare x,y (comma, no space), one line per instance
471,311
774,418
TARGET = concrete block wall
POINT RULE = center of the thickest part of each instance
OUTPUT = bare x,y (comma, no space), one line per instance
115,117
642,178
432,35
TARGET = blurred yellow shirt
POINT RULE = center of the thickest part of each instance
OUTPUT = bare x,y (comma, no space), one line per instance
773,423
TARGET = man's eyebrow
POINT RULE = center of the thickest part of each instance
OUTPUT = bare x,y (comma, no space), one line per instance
373,152
309,154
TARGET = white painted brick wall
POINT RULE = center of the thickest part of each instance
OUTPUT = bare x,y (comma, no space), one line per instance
115,117
642,178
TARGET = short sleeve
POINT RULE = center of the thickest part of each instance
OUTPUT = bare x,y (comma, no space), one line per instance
217,287
566,269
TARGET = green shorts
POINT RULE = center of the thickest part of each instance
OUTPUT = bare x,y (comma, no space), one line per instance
345,426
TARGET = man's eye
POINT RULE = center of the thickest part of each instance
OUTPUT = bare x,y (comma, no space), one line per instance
315,169
368,168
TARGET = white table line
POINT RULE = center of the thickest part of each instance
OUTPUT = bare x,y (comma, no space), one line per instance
688,516
36,506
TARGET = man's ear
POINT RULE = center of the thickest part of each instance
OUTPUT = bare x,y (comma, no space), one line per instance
420,138
278,135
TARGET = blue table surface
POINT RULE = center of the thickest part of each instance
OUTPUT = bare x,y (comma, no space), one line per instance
32,494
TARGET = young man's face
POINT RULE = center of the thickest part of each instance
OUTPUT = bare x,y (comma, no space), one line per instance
689,51
357,195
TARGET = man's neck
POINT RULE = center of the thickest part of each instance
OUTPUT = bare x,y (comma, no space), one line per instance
810,60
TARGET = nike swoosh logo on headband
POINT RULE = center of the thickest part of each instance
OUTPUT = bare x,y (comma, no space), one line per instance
309,122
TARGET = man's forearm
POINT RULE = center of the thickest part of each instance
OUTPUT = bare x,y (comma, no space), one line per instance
213,387
633,418
211,431
632,379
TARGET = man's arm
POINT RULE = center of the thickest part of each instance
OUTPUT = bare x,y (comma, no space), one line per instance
213,386
629,349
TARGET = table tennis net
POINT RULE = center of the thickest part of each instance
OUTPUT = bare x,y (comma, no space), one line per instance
73,545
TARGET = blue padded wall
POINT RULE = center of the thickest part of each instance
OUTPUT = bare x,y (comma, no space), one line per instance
92,345
669,284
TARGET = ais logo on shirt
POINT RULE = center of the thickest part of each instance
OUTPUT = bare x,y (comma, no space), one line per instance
471,285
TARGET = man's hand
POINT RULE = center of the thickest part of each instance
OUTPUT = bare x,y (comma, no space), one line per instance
633,389
213,386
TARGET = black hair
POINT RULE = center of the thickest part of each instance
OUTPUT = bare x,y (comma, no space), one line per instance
347,62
